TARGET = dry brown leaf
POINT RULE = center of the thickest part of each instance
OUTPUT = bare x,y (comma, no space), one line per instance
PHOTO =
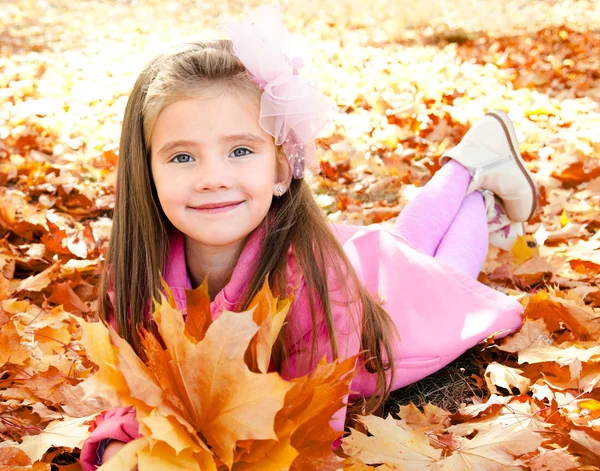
391,444
554,460
530,333
505,377
431,419
11,350
494,450
516,414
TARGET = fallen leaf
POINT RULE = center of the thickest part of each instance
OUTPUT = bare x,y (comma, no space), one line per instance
390,444
505,377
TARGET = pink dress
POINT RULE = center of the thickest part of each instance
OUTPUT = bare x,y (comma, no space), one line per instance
440,311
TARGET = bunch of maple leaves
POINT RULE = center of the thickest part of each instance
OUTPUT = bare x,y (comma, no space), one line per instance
204,398
59,122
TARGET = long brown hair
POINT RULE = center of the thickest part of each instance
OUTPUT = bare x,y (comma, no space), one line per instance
140,232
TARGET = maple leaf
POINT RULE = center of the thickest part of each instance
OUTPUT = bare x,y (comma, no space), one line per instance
69,433
302,426
208,372
505,377
198,308
529,333
534,345
494,450
572,356
107,380
559,313
512,414
40,281
554,460
4,286
397,448
431,419
11,350
63,294
390,444
269,314
12,456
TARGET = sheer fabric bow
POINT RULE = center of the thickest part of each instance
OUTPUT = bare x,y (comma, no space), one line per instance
292,110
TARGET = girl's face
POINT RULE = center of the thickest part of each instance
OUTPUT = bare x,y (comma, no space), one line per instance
214,168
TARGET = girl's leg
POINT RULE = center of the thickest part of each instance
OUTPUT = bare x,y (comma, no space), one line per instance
425,220
465,244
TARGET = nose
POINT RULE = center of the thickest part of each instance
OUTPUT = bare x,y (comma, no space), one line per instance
213,174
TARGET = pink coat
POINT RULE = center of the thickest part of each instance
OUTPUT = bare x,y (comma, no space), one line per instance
440,313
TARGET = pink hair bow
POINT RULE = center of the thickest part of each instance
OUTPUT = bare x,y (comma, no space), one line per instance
292,110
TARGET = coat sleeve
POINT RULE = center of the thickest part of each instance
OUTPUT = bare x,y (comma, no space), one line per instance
115,424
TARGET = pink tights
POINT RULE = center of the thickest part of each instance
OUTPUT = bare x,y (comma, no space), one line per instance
444,222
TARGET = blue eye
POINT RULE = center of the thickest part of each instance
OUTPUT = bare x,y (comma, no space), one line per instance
236,152
175,159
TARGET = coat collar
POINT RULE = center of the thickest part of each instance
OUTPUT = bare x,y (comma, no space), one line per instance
176,274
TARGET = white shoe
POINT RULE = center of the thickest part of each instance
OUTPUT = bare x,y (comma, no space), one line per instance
490,151
503,232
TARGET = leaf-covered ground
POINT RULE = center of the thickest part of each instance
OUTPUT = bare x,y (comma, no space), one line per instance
409,78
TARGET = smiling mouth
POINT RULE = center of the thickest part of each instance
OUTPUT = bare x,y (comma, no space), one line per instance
216,207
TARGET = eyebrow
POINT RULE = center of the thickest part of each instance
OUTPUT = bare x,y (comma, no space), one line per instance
233,137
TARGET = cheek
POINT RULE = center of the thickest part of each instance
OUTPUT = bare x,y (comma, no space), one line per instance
168,194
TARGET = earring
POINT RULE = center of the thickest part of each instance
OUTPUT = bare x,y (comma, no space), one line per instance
279,191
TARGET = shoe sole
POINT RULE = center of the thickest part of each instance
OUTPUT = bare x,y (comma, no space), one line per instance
509,130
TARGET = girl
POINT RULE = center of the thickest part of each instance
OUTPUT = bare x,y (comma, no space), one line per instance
216,138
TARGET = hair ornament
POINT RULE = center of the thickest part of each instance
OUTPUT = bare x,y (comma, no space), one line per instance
292,110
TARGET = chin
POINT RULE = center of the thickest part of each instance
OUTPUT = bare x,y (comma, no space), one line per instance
218,240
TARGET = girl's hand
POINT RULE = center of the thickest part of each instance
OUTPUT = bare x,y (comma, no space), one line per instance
112,449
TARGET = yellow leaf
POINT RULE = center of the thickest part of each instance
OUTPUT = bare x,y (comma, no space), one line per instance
4,284
53,339
168,430
69,432
521,251
279,456
511,413
564,220
98,348
140,381
161,457
591,405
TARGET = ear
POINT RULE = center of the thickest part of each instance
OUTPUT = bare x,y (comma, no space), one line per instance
283,176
